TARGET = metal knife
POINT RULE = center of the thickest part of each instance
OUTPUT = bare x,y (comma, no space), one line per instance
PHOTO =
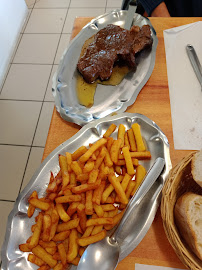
195,62
130,14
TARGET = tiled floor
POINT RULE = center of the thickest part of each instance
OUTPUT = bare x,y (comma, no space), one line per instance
26,101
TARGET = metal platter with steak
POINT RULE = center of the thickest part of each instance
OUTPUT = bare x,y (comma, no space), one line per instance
111,47
104,68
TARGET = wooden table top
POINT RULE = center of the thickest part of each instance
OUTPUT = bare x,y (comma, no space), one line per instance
153,102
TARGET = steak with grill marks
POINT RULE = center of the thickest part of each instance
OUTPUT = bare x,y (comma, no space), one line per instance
112,44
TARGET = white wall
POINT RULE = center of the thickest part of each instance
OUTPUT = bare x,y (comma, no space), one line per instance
12,16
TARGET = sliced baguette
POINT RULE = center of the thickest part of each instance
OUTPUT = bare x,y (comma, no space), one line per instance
188,217
196,168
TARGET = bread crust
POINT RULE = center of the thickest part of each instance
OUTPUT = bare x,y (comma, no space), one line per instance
188,222
196,167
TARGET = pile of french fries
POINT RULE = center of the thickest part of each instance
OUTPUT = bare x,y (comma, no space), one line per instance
86,198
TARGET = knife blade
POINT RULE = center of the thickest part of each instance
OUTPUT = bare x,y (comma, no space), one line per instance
131,11
195,62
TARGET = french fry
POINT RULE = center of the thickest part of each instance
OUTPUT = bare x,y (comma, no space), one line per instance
31,208
76,168
44,267
129,163
81,251
121,133
118,188
69,161
109,190
36,260
72,178
62,252
46,227
36,234
39,204
108,207
93,176
118,169
83,177
116,220
85,187
24,247
92,149
98,210
126,140
89,202
72,208
75,261
59,266
44,255
107,159
138,137
100,157
68,225
99,221
64,170
54,223
88,231
90,164
97,194
114,151
91,239
109,131
109,143
82,216
140,174
132,142
62,213
79,152
68,199
138,155
61,236
73,246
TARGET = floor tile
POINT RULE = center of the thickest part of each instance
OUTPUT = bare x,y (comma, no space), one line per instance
18,121
43,125
76,12
37,49
12,172
87,3
49,95
26,82
114,3
63,44
46,21
30,3
52,4
33,164
5,209
26,20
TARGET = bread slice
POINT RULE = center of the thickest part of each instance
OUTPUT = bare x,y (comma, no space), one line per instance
196,167
188,217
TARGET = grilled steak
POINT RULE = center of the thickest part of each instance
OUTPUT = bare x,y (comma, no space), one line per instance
112,44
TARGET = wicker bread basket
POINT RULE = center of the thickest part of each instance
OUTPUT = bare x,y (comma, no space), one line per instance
179,181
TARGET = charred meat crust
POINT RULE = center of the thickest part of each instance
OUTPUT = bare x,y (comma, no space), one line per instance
112,44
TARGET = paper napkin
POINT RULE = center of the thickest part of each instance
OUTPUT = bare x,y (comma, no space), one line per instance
184,88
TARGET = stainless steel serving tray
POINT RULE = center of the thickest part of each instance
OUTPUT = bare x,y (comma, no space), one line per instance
19,225
107,99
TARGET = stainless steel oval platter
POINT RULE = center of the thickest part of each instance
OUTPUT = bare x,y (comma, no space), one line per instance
19,225
107,99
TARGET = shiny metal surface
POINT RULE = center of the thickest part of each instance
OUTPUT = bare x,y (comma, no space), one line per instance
104,255
131,12
19,225
107,99
195,62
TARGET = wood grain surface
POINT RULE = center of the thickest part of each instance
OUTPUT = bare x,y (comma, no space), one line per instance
153,102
